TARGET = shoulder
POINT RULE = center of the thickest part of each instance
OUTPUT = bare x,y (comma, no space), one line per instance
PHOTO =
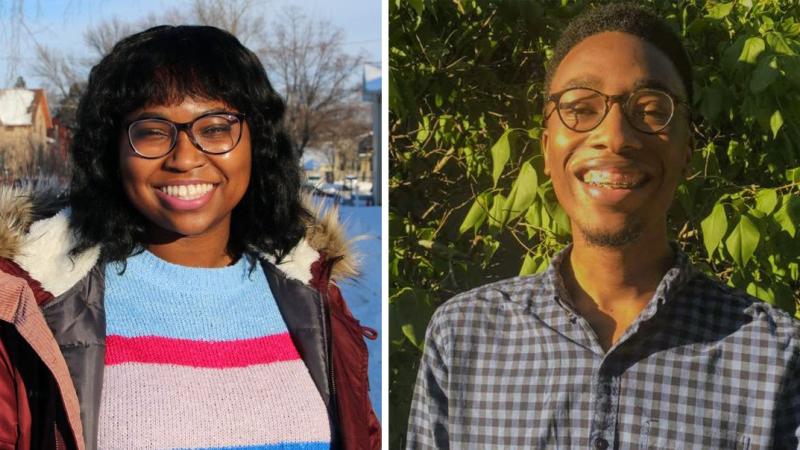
722,304
325,254
490,305
517,291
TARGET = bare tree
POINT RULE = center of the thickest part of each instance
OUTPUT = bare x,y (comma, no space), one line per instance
58,72
305,59
102,37
237,17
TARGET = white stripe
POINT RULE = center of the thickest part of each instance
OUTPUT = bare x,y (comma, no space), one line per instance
167,406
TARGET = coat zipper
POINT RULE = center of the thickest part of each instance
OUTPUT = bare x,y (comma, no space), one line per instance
328,343
55,435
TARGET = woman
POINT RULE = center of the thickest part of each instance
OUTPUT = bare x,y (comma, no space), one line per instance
183,299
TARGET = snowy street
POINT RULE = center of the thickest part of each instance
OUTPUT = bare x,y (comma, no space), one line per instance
364,294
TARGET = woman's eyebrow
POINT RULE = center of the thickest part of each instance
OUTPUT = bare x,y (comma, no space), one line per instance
146,115
154,115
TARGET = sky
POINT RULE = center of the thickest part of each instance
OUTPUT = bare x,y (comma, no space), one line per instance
60,25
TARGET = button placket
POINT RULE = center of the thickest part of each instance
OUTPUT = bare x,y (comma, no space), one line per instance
606,402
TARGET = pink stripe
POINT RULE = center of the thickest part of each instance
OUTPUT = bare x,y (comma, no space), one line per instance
211,354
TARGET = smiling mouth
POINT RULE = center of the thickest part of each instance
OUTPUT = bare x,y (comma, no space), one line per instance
187,192
612,179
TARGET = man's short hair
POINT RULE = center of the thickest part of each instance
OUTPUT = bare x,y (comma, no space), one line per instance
627,18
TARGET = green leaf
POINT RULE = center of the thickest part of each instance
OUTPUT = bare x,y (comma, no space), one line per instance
720,11
766,200
793,175
560,223
714,228
736,152
501,152
529,264
762,292
778,43
764,75
418,6
476,214
788,215
775,122
752,48
523,192
498,214
412,309
711,101
742,242
533,217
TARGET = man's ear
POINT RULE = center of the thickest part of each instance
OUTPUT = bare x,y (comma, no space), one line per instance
544,144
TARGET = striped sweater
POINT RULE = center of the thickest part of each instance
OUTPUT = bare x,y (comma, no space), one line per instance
201,359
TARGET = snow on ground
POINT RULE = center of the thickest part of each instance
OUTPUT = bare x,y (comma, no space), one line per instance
364,295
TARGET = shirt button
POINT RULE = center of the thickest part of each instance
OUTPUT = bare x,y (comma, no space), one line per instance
600,444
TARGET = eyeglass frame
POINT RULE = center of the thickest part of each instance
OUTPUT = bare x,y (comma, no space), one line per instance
187,128
622,99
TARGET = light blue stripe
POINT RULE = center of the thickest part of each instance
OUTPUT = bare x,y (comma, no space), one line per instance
155,298
282,446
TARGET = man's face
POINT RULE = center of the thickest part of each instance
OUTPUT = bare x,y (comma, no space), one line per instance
615,182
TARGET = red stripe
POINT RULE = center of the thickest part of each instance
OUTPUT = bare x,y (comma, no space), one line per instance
186,352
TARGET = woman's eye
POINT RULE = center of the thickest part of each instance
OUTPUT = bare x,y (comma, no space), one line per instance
150,133
215,130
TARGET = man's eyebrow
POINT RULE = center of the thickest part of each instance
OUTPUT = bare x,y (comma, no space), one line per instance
653,83
591,81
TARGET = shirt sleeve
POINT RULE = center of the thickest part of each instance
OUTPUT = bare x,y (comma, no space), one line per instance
787,415
428,421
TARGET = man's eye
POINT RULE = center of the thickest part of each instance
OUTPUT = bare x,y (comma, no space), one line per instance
581,109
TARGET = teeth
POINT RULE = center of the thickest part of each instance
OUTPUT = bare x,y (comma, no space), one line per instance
187,192
613,180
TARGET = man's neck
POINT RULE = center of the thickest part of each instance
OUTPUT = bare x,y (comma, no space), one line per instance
610,286
609,275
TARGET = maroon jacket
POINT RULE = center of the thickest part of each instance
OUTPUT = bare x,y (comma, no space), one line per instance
52,338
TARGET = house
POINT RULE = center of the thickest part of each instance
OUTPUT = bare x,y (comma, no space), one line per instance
365,160
24,126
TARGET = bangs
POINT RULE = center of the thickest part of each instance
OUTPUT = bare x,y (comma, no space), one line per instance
177,64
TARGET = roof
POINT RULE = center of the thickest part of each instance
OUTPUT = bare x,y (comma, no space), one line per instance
17,106
372,81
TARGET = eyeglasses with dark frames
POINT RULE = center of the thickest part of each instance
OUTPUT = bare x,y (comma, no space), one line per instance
215,133
583,109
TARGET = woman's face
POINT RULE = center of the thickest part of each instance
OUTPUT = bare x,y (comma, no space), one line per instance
186,192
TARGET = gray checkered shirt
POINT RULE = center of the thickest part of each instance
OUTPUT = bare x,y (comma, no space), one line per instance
510,366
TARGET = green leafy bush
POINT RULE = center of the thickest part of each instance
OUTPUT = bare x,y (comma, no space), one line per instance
469,202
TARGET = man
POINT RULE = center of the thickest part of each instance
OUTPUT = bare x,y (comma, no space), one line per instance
620,343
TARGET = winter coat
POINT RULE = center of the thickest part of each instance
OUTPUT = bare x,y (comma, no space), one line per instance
52,330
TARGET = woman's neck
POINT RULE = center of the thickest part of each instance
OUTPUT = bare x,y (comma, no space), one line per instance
210,249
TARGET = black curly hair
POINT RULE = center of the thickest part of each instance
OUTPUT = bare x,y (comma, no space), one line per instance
628,18
163,65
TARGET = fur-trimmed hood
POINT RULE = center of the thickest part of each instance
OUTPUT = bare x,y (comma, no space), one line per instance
34,233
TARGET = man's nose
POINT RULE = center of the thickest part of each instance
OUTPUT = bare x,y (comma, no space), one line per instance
615,133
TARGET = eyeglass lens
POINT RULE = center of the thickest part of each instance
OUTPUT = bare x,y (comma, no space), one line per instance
218,133
583,109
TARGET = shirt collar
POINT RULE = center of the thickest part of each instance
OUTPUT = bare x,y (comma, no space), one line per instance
674,279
